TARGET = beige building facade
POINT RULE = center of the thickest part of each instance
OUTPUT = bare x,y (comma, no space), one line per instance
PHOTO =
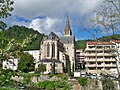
60,50
100,57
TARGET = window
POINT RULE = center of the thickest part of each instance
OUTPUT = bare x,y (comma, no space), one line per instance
56,65
48,50
53,50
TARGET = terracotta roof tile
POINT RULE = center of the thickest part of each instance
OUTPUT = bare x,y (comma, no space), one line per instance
116,41
100,43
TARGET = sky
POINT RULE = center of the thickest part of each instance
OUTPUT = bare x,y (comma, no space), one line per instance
48,16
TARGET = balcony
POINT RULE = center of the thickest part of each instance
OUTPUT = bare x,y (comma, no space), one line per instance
94,54
101,65
109,60
110,65
100,49
90,65
109,54
94,49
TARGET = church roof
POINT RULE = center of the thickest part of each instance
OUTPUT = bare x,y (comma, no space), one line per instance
67,39
67,30
52,36
49,60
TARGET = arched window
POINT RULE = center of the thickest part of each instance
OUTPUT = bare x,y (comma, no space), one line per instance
53,50
48,50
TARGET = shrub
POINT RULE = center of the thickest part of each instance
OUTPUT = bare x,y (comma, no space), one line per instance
51,75
107,84
6,88
82,81
51,85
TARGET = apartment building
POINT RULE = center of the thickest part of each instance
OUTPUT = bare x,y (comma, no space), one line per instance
80,59
117,43
100,57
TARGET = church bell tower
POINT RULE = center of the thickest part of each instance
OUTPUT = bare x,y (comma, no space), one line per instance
67,31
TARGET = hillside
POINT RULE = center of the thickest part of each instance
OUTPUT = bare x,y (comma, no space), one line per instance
81,44
19,33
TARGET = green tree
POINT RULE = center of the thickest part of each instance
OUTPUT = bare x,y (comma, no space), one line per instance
41,68
53,68
107,84
5,8
69,69
26,63
13,47
82,81
2,25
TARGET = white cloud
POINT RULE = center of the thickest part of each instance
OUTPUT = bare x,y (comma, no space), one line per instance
53,11
47,25
54,8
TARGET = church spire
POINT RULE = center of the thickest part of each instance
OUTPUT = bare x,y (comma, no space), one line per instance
67,31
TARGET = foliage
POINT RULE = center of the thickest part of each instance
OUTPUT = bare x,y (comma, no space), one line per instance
51,85
69,69
108,16
50,75
6,88
2,25
107,84
108,38
53,68
81,44
5,8
41,68
19,33
26,63
83,81
5,77
13,47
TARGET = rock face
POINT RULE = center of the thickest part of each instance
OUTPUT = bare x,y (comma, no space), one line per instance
54,78
38,79
17,78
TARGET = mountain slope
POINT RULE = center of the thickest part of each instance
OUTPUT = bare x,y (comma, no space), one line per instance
20,32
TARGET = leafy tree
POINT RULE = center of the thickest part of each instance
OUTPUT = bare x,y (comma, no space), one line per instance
26,63
69,69
5,8
19,33
108,16
5,77
82,81
53,68
2,25
107,84
41,68
13,47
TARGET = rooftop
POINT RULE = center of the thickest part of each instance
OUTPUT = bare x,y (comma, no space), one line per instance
117,41
100,43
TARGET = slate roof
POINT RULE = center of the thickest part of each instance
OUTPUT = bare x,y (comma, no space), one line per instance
49,60
67,39
52,36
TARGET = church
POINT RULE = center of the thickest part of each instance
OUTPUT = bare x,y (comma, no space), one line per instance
60,50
